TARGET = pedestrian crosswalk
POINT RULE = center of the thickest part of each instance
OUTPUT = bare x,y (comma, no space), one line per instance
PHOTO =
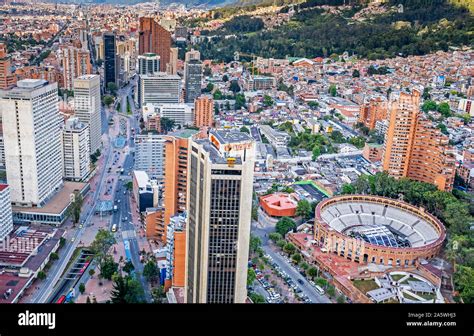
128,234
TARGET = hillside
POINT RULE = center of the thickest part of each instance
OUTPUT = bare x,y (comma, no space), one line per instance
424,26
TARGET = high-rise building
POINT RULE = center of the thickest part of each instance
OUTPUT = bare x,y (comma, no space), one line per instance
158,89
192,55
32,137
76,62
192,80
174,162
372,111
414,147
110,59
153,38
6,217
76,154
7,79
87,107
181,114
149,150
148,64
219,199
83,37
203,111
173,65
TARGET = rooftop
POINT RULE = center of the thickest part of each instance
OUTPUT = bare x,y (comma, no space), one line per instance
58,203
230,136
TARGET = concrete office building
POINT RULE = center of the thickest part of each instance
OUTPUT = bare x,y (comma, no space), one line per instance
6,217
149,150
160,88
76,154
87,107
173,65
148,64
32,138
192,80
219,200
145,190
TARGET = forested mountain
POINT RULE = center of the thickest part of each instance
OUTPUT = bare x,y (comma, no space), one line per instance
424,26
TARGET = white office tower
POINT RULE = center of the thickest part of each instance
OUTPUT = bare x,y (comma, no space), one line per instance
6,217
149,155
76,154
219,201
87,107
32,138
160,88
148,63
182,114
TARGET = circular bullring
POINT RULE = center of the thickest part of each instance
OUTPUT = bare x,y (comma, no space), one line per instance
372,229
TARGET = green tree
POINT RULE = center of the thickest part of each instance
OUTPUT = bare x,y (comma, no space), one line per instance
167,124
126,290
75,207
151,271
41,275
464,281
332,90
275,236
108,267
225,78
257,298
289,248
82,288
112,88
54,256
444,109
128,267
281,243
251,276
91,272
355,73
316,152
429,105
244,130
348,189
303,209
284,225
158,294
312,272
255,243
234,86
102,243
331,291
296,258
267,101
108,100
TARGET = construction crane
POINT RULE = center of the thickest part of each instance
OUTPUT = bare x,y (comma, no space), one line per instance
237,55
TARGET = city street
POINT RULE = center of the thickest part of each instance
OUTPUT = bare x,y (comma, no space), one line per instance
262,232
